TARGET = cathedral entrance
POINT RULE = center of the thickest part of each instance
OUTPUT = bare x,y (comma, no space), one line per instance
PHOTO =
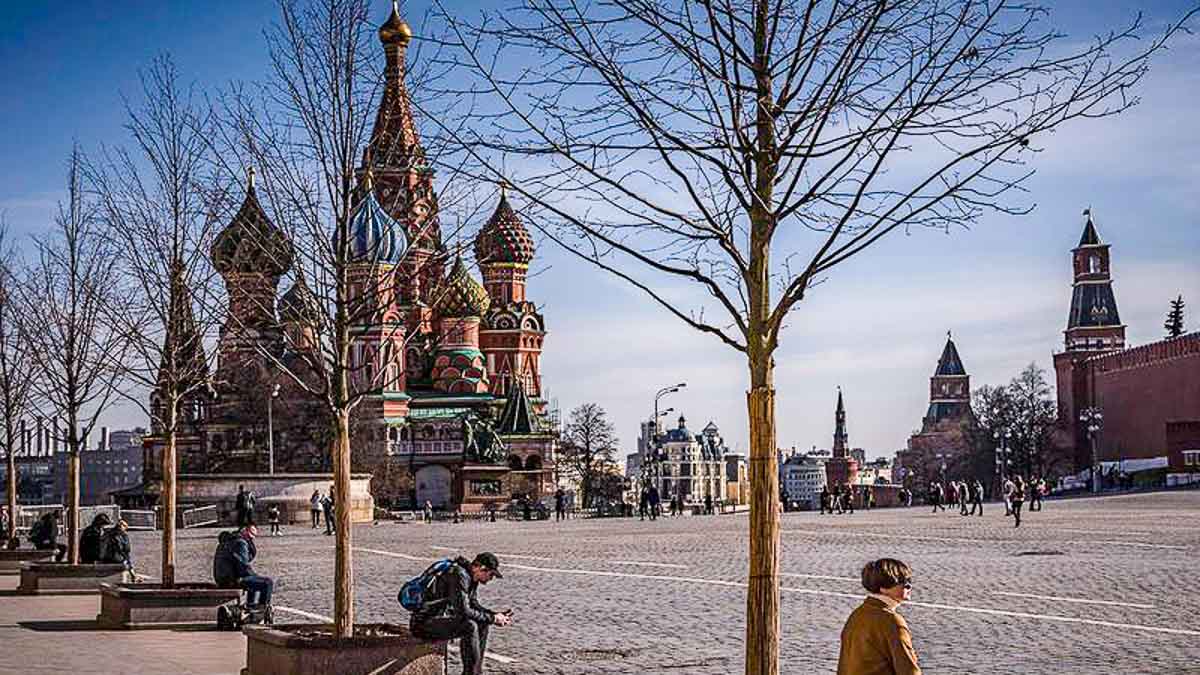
433,485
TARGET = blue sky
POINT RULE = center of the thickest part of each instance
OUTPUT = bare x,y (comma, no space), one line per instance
876,327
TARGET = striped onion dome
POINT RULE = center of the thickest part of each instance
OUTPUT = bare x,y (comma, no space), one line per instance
462,296
251,243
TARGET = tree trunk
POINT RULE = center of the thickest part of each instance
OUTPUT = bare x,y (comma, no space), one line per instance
73,505
762,595
11,488
343,571
169,498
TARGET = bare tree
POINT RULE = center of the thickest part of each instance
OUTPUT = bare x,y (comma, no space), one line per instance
1035,418
588,447
77,351
155,204
16,369
353,188
749,148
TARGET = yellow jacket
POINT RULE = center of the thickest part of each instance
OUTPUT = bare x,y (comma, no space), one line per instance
876,641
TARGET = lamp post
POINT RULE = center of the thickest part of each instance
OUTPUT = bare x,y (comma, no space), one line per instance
1092,420
654,438
271,431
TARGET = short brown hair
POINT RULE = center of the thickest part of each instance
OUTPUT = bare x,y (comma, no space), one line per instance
885,573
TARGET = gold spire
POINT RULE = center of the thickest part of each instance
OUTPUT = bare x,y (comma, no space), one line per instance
395,29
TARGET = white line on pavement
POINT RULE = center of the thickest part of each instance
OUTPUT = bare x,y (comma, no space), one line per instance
646,564
499,555
1025,542
818,576
498,658
1076,600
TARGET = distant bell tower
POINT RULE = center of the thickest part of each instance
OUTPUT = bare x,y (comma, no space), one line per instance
1093,327
841,468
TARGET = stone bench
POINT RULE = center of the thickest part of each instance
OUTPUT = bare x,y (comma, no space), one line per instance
146,606
310,649
52,577
11,561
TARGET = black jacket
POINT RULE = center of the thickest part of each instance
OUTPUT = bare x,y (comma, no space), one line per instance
116,548
89,544
452,595
233,559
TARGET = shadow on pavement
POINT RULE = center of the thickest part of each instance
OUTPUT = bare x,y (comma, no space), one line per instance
67,626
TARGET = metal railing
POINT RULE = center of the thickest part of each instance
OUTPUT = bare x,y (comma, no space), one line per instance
141,520
201,516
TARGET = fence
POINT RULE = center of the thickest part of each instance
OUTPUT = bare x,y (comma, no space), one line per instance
201,516
141,520
28,515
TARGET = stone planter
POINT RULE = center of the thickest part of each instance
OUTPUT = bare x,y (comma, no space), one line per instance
142,606
11,561
51,577
309,649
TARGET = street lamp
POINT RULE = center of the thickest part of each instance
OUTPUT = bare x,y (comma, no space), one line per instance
1092,420
271,431
654,439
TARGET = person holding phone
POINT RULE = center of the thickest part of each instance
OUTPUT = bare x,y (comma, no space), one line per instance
450,609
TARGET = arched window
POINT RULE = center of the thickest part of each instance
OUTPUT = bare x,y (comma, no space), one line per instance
533,463
514,463
1093,264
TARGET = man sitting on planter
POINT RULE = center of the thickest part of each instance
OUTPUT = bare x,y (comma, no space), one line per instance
44,536
233,568
450,609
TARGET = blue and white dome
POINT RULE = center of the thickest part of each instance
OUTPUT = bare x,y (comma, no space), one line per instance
375,237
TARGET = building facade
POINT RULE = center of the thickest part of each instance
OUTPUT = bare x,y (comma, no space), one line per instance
1148,395
451,367
692,466
803,478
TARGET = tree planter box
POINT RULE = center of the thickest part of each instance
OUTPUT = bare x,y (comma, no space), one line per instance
142,606
11,561
310,649
50,577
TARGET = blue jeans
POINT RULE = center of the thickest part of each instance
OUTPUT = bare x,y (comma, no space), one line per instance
258,590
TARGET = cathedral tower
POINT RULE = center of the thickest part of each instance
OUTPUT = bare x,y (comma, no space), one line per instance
513,331
458,365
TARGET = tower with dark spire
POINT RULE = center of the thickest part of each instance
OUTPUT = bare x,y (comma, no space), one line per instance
1093,328
949,392
841,468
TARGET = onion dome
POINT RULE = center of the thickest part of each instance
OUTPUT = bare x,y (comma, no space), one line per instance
374,236
299,305
462,296
395,29
251,244
504,238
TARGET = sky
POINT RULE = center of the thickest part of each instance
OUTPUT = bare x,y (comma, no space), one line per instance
876,326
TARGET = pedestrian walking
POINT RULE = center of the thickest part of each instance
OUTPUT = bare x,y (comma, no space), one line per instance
825,506
848,495
314,508
1018,498
1037,488
708,505
427,512
327,509
870,499
655,503
644,503
273,520
1007,492
964,492
876,639
244,505
450,608
560,505
977,497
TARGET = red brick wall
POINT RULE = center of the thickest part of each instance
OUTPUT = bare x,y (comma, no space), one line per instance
1141,390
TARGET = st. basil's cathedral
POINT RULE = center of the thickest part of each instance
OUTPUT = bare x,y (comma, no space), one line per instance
459,420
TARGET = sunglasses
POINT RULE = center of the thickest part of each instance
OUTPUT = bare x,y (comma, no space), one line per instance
907,585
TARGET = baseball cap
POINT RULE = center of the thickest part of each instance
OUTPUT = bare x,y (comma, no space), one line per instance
488,561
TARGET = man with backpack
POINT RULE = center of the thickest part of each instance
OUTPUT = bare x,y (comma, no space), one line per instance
44,536
444,606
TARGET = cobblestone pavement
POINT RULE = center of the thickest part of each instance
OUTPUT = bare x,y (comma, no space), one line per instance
1103,585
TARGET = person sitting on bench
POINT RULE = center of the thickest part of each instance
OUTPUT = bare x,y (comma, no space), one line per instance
91,538
44,536
450,609
233,567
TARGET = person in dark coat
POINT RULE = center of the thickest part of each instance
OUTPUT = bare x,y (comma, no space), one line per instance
560,505
44,535
977,497
327,507
233,566
116,549
451,609
708,505
244,505
91,538
655,503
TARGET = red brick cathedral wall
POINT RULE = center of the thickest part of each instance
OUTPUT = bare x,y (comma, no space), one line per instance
1142,389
